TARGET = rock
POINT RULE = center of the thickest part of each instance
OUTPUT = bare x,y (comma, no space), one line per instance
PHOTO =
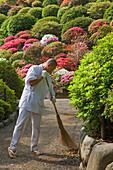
109,167
101,156
6,122
82,134
86,148
82,167
1,125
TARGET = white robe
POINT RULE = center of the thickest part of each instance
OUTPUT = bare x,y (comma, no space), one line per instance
32,98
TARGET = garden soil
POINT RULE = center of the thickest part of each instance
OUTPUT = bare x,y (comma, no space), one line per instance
55,156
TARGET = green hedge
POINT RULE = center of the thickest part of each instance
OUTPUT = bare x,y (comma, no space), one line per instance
50,10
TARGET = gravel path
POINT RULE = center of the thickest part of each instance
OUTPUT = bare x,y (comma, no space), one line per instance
55,156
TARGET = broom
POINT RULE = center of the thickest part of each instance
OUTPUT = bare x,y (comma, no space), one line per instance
64,136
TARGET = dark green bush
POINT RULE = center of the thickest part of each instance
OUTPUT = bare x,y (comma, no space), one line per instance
2,19
4,53
97,10
37,4
33,53
91,83
4,8
49,2
82,22
17,63
77,2
10,95
13,11
61,11
109,14
50,18
54,49
6,110
88,5
50,10
24,10
16,56
20,22
73,13
48,27
36,12
9,75
4,27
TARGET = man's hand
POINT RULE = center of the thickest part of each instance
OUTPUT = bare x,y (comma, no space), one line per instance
44,74
53,99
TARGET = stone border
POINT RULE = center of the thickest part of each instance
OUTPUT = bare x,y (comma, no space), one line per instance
10,119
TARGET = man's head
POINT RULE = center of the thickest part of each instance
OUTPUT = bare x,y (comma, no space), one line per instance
50,65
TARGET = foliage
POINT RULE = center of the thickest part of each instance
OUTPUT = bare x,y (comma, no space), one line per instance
45,38
97,10
31,41
25,36
32,53
4,8
109,13
78,2
4,27
73,13
71,34
19,63
24,10
82,22
50,18
65,3
49,2
16,56
2,19
91,83
88,5
67,78
53,49
48,27
61,11
22,3
50,40
67,63
10,96
20,22
13,50
26,46
23,71
102,32
6,110
22,32
9,75
14,10
9,38
61,55
111,23
50,10
10,2
95,25
36,12
37,4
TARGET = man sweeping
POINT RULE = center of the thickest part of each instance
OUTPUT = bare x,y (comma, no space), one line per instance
32,104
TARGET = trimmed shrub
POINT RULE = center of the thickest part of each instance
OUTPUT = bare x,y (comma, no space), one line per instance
61,55
2,19
36,12
66,63
13,11
6,54
97,10
4,27
26,46
88,5
24,10
73,13
9,38
1,42
16,56
11,78
50,18
20,22
111,23
6,110
22,32
10,95
10,2
23,71
19,63
49,2
31,41
77,2
22,3
4,8
37,4
109,14
95,25
13,50
25,36
50,10
72,34
54,49
91,83
61,11
45,38
82,22
42,28
65,3
32,53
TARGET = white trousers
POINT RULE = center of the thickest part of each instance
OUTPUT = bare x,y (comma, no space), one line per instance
20,125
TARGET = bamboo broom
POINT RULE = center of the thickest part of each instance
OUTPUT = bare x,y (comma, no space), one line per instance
64,136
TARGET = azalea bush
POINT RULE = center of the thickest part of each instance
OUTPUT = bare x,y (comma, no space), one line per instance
67,78
32,53
53,49
13,10
97,10
91,83
17,35
49,2
95,25
61,11
36,12
26,46
9,38
50,10
31,41
24,10
23,71
4,8
5,110
19,63
67,63
6,54
71,34
65,3
16,56
2,19
37,4
25,36
73,13
45,38
52,39
109,13
61,55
